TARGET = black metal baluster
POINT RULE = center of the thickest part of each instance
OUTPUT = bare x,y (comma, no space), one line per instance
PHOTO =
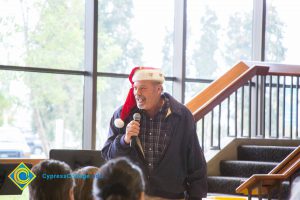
242,111
212,130
256,107
283,107
291,108
219,127
228,116
277,108
235,114
270,106
297,107
202,139
250,102
263,109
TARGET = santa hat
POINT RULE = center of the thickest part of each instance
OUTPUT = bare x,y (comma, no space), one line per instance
137,74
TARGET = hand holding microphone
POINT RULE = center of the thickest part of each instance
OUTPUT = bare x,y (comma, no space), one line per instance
133,129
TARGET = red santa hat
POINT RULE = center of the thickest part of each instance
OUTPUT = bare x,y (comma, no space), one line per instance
137,74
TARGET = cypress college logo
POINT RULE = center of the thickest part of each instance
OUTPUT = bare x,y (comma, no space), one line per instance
22,176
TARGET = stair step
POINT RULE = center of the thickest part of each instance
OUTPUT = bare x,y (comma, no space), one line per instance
238,168
222,184
264,153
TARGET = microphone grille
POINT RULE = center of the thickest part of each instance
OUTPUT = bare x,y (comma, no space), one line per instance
137,117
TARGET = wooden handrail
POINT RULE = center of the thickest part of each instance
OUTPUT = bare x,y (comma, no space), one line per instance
222,88
279,168
281,172
278,69
216,86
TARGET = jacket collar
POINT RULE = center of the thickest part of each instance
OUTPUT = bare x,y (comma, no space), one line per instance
174,105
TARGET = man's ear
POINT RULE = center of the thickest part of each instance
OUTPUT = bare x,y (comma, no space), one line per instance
160,88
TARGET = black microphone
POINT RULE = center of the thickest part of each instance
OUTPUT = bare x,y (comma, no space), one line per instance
136,117
135,141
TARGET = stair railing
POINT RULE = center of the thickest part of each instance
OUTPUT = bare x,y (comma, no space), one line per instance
251,100
263,184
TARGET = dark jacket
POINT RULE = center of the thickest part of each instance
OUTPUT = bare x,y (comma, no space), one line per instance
182,169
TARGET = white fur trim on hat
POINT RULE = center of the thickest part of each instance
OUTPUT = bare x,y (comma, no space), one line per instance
148,74
119,123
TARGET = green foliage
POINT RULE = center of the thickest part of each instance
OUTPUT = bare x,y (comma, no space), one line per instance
9,102
118,50
167,51
275,51
239,42
58,39
203,55
240,28
8,33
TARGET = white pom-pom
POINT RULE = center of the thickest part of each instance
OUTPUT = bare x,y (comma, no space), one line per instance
119,123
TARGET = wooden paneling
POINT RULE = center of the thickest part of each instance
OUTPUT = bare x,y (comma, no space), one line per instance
19,160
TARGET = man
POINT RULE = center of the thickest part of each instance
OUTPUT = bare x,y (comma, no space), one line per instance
51,189
163,142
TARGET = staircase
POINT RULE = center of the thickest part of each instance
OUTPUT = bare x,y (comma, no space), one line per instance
251,159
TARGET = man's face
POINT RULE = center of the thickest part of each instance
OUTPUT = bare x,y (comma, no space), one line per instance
147,94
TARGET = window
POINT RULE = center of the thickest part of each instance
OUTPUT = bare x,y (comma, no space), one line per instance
135,33
282,33
42,33
44,109
191,89
219,34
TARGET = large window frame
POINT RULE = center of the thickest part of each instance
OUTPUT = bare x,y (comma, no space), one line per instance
179,67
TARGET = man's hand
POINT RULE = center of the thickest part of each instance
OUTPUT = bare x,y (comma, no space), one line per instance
132,129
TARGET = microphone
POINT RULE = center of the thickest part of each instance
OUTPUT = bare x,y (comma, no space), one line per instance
136,117
134,139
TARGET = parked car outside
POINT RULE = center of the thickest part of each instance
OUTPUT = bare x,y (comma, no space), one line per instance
34,143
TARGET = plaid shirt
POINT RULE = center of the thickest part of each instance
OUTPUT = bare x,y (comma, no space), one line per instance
155,135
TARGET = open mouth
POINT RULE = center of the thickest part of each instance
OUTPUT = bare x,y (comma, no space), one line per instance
140,100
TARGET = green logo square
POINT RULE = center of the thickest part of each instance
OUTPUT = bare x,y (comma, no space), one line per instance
21,176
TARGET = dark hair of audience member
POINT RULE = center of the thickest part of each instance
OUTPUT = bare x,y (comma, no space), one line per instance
54,189
84,187
119,179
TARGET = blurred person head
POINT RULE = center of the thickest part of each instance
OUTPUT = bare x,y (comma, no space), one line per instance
47,188
119,179
295,190
84,183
